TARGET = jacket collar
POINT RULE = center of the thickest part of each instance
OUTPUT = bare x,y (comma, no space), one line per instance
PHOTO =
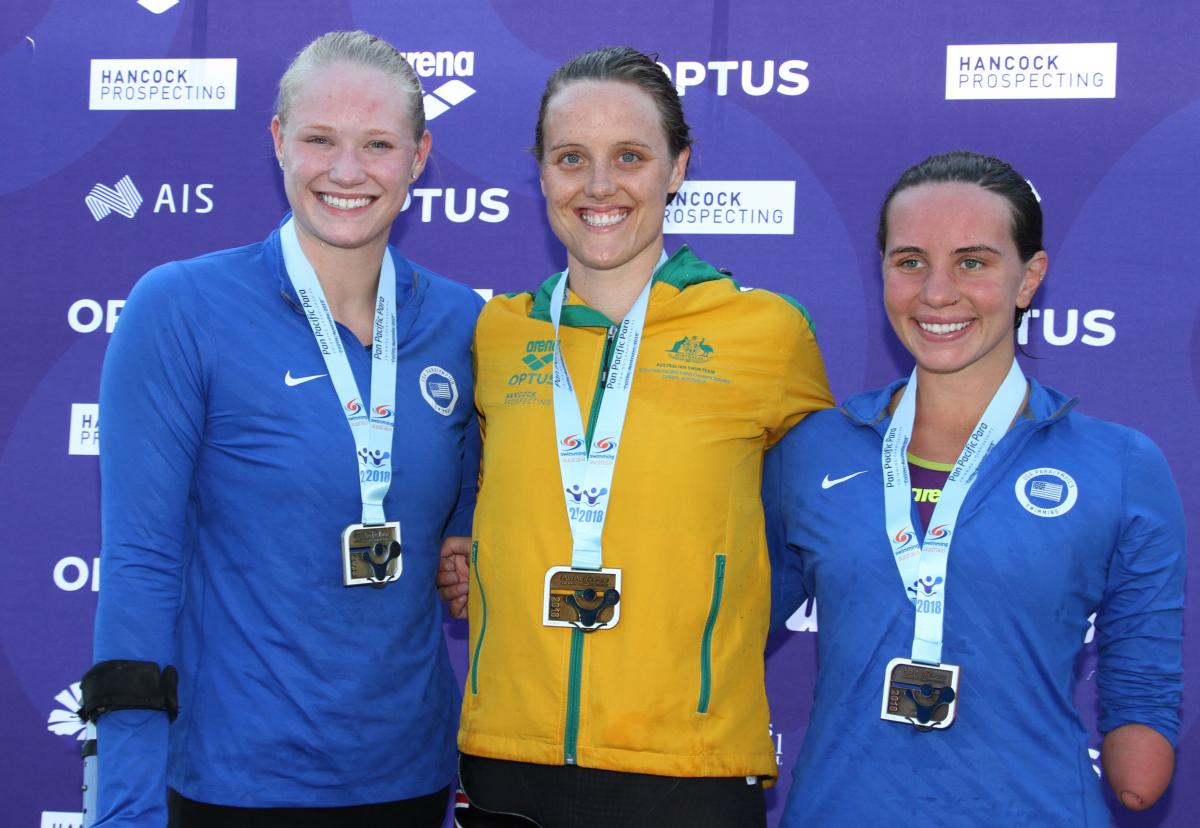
681,270
411,286
870,408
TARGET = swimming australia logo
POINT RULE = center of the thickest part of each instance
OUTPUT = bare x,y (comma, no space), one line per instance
122,198
939,532
571,446
605,445
439,389
1046,492
904,538
64,720
691,349
355,410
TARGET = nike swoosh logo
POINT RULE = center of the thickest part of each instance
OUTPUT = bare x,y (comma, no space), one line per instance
829,484
290,381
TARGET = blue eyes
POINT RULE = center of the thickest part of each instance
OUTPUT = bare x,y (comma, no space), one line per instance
575,159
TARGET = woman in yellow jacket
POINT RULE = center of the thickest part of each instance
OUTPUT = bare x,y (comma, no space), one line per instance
619,581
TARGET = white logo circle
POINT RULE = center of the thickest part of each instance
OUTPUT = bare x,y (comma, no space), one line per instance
1046,492
439,389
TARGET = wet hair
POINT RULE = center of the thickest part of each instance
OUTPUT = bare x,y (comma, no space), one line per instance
361,49
626,65
991,174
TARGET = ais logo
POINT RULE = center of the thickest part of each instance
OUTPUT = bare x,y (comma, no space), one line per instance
124,199
64,720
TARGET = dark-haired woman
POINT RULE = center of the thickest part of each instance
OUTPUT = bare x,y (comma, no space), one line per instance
957,529
271,536
620,579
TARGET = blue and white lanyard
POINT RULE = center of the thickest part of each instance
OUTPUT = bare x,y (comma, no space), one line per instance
371,422
587,471
923,568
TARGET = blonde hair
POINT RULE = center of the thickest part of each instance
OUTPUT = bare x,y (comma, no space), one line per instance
358,48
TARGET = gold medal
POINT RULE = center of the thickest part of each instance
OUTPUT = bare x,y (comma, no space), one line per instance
922,695
585,599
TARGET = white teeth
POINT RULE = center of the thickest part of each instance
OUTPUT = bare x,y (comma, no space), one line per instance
938,328
603,219
344,203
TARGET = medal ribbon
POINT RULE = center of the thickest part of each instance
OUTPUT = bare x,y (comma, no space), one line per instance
923,567
587,470
371,422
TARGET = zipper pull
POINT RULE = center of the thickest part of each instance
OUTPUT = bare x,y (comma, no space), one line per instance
607,356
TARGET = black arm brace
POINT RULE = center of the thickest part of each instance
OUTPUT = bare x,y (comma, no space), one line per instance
129,685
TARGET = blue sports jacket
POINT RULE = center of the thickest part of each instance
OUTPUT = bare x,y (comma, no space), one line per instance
1069,515
228,472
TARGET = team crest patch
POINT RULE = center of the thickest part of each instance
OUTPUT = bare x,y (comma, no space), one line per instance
1046,492
691,349
439,389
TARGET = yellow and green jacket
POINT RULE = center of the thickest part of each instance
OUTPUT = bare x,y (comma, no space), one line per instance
676,687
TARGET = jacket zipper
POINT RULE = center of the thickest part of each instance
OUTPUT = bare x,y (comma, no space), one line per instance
483,621
706,642
575,673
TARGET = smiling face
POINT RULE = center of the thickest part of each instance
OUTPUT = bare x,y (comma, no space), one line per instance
953,277
348,155
606,172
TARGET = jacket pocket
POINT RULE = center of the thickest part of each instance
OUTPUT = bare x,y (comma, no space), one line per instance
482,620
714,610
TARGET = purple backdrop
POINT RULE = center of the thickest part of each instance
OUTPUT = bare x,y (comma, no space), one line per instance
131,139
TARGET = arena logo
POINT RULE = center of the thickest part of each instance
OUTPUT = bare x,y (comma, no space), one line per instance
460,206
73,573
124,199
157,6
1031,71
64,720
754,77
85,429
163,83
1062,327
454,65
733,208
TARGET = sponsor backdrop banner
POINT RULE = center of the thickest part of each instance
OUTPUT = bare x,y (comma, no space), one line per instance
136,132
